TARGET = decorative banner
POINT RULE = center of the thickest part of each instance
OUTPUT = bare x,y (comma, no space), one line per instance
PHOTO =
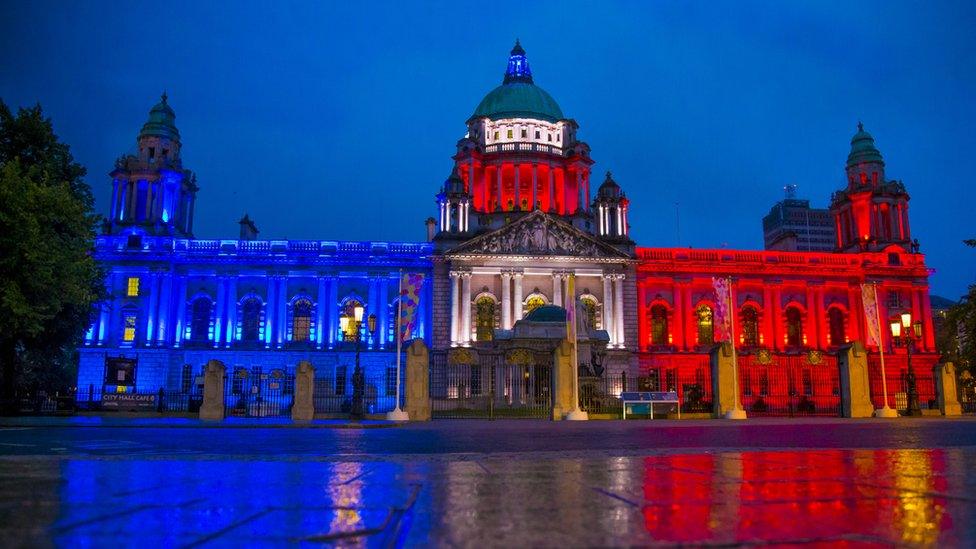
721,317
869,296
410,286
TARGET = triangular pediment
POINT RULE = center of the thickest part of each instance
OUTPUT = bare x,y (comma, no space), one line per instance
538,235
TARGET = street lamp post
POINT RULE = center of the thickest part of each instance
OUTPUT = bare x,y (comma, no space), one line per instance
911,333
358,383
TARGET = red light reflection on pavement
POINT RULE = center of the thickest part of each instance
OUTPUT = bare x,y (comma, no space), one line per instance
881,496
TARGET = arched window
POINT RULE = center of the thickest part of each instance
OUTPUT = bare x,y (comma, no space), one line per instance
749,320
794,327
659,325
251,319
200,319
485,318
301,320
589,311
350,328
534,302
835,320
706,330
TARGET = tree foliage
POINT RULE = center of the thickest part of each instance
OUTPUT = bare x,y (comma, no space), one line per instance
958,340
49,281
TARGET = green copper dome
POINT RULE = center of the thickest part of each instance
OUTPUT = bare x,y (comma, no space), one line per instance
518,96
862,148
547,313
162,121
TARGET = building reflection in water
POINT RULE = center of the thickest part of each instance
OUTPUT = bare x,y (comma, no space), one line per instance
885,495
910,497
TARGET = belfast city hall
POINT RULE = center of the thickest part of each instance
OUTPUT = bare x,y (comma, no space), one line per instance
527,239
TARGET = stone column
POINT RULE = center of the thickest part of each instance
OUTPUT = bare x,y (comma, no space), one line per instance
552,189
723,380
320,313
466,307
455,308
679,316
855,388
417,385
165,309
213,391
153,304
506,300
269,309
180,310
618,309
517,300
303,408
946,391
608,316
219,312
535,183
562,381
518,190
775,309
282,313
579,190
332,303
498,173
230,324
383,314
557,289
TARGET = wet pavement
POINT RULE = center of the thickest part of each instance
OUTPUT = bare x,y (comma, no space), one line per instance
503,483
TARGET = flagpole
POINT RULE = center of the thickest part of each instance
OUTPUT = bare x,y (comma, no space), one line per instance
884,411
397,414
575,414
736,412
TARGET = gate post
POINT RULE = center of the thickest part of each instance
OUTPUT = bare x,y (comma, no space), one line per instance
417,386
945,386
303,408
855,389
213,391
724,398
562,380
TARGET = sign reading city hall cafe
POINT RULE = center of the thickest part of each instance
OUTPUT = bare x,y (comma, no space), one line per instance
129,402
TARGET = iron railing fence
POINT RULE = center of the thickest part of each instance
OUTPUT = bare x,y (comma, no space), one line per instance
489,386
789,385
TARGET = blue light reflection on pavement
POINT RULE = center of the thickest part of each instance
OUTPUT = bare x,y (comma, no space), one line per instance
915,497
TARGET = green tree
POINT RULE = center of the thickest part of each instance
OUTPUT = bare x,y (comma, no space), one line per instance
958,339
49,281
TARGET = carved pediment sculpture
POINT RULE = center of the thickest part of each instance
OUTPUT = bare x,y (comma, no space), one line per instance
538,234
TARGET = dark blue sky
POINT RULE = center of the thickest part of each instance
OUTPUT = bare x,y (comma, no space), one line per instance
338,121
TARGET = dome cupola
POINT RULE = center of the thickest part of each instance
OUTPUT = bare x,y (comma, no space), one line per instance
862,148
865,166
162,121
518,96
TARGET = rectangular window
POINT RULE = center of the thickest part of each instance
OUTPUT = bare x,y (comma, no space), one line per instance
391,381
537,134
525,133
340,380
509,134
152,153
496,136
132,287
129,327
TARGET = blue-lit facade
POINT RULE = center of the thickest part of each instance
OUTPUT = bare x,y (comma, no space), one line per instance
177,302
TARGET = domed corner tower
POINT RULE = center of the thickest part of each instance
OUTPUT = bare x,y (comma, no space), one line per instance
520,154
151,191
610,209
871,213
